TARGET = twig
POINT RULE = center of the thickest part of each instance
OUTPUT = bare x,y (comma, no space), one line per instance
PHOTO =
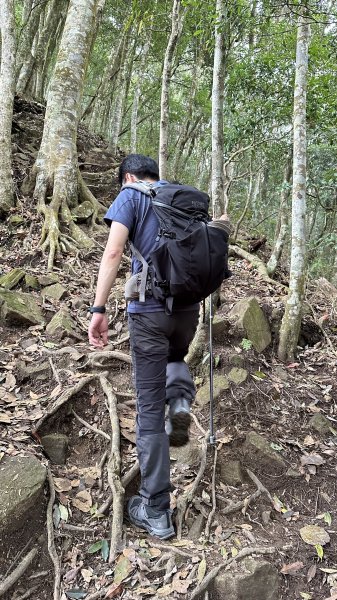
17,557
214,572
101,467
55,373
184,500
198,424
7,583
171,549
51,543
126,479
259,485
211,514
53,408
91,427
243,504
114,470
121,341
28,593
78,528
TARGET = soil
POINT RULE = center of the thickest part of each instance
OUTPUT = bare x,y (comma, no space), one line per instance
276,401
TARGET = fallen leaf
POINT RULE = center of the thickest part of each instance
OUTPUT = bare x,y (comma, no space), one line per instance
201,570
312,459
71,575
311,573
314,535
164,591
62,485
114,590
123,569
83,501
130,553
76,594
87,574
292,568
4,418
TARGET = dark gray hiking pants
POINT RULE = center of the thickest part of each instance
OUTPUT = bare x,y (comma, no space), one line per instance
159,343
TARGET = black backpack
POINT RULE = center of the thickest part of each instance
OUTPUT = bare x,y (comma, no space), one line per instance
191,260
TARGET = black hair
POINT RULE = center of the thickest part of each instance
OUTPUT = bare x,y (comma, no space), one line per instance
139,165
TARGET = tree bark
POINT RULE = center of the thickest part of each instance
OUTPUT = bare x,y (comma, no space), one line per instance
217,177
291,322
136,95
56,171
7,90
32,12
281,230
176,28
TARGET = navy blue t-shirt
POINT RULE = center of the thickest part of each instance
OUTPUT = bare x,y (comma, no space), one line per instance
133,209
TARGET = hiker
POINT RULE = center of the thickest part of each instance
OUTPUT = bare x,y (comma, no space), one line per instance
159,340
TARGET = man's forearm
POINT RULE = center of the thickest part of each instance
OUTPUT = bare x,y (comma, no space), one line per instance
106,277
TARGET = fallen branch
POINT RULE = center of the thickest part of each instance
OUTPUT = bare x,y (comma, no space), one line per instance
7,583
187,496
51,543
211,514
171,549
28,593
114,472
91,427
214,572
53,408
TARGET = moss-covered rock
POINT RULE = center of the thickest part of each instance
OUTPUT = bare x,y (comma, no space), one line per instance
236,360
53,292
61,324
220,383
260,449
83,211
48,279
31,282
237,375
232,473
16,307
55,446
251,319
16,220
253,580
321,424
11,279
22,480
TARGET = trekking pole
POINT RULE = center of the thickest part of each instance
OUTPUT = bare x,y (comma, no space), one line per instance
211,398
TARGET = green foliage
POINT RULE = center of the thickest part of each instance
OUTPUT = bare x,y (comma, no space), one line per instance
246,344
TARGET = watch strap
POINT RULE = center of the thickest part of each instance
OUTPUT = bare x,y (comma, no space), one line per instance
97,309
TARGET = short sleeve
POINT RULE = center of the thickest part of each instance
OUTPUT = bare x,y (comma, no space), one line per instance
122,210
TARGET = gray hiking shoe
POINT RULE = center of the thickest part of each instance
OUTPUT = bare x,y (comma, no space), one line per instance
178,422
154,521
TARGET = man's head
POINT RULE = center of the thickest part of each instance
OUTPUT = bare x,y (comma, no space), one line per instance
142,167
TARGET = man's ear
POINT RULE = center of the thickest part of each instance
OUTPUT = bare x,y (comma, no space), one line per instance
129,178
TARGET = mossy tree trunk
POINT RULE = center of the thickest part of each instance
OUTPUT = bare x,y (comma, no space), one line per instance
282,225
291,322
7,90
55,172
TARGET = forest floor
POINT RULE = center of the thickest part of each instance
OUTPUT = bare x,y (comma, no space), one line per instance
276,401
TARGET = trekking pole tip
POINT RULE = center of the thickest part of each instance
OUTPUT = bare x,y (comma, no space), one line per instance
212,440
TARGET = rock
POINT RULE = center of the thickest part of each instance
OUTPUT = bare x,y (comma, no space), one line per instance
186,455
236,360
259,448
49,279
220,326
281,373
237,375
266,517
38,372
220,383
11,279
197,528
293,473
22,480
53,292
83,211
320,423
251,319
61,324
255,580
17,307
31,282
55,446
231,473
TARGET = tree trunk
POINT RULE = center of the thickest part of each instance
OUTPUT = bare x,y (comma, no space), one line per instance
291,322
252,194
217,178
136,95
177,23
26,37
56,171
7,90
283,219
36,58
116,114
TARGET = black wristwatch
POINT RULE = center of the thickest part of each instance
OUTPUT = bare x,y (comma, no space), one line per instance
96,309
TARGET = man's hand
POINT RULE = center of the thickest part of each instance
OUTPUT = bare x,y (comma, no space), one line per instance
98,330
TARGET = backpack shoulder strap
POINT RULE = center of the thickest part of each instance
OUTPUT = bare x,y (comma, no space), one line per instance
140,186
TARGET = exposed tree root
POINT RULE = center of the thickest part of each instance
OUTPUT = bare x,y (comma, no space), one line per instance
114,472
258,264
187,496
51,542
87,196
214,572
126,479
243,504
94,359
53,408
7,583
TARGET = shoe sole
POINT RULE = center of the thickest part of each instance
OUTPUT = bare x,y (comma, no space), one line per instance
179,435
